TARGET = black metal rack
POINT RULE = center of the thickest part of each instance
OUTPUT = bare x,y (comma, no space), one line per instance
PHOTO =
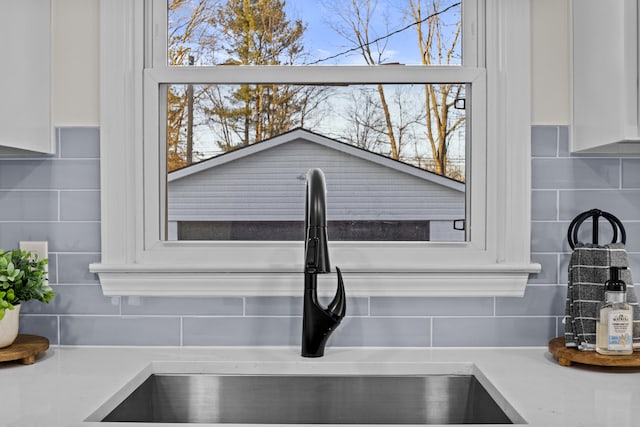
595,214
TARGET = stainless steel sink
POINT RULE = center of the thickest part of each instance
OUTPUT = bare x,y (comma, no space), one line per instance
310,399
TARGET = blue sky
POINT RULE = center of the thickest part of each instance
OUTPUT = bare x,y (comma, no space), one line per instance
323,41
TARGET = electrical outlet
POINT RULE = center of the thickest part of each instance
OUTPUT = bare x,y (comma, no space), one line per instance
41,249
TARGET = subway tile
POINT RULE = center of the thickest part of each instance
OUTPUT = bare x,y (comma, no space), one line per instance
564,268
29,205
383,332
80,205
74,268
544,205
44,326
76,299
62,236
79,142
241,331
630,173
52,265
549,237
564,144
575,173
292,306
563,141
544,141
624,204
58,132
50,174
182,306
89,318
537,300
355,306
400,306
633,236
492,331
273,306
353,331
549,272
559,326
634,265
116,330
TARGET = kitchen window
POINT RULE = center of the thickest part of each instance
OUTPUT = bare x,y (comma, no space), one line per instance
139,79
393,146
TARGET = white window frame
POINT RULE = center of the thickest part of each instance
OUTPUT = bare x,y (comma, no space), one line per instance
496,260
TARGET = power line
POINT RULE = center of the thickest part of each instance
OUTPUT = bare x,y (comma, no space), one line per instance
386,36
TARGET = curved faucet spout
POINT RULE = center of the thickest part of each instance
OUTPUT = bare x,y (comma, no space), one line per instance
315,212
317,322
338,307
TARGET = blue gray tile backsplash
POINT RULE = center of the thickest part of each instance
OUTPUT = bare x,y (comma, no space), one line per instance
58,199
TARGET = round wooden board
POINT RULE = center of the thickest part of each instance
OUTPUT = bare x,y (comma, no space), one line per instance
24,348
566,356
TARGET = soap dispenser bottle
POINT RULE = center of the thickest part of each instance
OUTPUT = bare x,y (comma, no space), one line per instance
615,323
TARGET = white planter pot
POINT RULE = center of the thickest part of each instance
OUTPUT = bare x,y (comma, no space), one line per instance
9,326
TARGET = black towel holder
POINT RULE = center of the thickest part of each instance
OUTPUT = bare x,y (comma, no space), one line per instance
572,233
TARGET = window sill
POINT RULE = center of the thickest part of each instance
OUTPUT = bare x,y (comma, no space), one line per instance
507,280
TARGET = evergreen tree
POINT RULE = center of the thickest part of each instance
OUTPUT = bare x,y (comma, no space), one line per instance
257,32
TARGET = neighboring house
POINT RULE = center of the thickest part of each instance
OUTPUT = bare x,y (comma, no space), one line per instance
258,192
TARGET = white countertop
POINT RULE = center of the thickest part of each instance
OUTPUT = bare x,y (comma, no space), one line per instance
67,384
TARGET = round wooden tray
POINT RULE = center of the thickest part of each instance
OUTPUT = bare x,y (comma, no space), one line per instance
24,348
566,356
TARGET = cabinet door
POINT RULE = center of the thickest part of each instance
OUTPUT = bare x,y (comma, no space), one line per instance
25,76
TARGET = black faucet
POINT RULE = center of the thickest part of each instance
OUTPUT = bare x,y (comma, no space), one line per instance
317,322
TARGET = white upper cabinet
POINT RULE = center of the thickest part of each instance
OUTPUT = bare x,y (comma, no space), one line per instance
25,77
605,77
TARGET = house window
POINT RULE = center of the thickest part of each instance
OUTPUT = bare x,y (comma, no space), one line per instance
145,84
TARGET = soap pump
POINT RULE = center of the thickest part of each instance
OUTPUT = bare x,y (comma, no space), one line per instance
614,326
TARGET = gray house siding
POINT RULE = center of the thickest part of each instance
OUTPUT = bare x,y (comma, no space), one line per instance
269,185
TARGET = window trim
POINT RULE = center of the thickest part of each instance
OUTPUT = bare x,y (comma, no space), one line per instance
135,262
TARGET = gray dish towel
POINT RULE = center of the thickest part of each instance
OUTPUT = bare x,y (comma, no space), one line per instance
588,270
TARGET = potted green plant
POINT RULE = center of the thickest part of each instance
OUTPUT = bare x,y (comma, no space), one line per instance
22,278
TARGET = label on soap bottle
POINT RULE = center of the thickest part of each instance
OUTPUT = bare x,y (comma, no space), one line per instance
619,330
